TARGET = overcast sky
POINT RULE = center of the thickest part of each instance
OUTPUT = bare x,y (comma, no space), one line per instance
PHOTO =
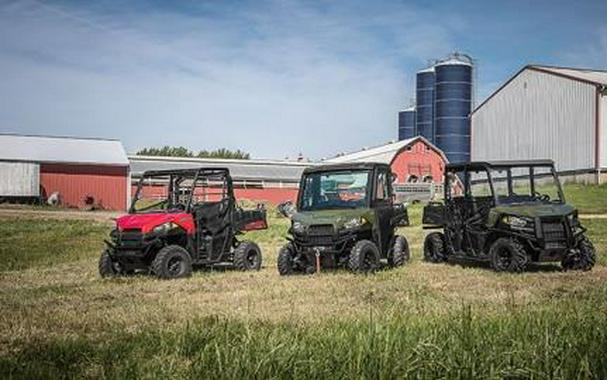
272,78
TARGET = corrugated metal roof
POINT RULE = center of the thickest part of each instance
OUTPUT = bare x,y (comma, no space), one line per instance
54,149
382,154
598,77
258,170
595,76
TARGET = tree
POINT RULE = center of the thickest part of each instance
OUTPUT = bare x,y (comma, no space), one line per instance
180,151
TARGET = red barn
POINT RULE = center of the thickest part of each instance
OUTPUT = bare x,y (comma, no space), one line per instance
75,168
412,160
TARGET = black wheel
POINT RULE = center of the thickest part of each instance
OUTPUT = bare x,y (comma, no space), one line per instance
108,267
286,261
247,256
434,248
581,259
508,255
172,261
400,252
364,257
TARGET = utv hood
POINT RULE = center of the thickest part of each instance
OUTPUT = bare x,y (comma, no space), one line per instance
335,217
536,210
147,222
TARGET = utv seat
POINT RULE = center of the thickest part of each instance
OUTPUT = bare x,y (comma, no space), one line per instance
212,216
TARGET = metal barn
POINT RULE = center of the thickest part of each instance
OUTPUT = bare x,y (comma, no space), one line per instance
259,180
75,168
546,112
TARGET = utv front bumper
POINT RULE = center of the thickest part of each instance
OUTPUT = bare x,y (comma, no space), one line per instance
552,238
130,248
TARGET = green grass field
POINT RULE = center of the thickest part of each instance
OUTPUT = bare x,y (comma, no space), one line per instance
60,320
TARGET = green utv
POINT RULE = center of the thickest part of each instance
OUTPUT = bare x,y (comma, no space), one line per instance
508,213
346,218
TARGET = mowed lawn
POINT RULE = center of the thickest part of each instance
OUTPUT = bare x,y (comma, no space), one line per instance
60,320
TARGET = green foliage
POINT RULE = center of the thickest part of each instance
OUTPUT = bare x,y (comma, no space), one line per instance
180,151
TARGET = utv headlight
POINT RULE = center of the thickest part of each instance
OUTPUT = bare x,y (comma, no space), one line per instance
354,223
163,228
517,222
573,219
298,227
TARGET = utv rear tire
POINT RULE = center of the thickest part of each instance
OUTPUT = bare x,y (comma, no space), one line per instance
508,255
107,267
400,252
171,262
286,261
434,248
364,257
584,260
247,256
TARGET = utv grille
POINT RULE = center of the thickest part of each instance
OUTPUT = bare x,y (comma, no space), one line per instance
320,234
130,239
554,231
321,229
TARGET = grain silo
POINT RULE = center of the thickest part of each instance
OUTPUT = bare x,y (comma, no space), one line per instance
424,83
406,124
452,106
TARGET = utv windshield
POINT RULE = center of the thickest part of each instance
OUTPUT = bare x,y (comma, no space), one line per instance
335,190
527,184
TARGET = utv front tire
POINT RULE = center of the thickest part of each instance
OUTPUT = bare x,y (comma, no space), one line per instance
286,261
508,255
171,262
364,257
107,267
434,248
247,256
584,259
400,252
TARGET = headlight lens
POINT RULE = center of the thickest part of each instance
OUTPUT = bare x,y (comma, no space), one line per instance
573,219
517,222
163,228
298,227
354,223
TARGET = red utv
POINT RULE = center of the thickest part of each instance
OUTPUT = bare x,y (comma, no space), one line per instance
179,219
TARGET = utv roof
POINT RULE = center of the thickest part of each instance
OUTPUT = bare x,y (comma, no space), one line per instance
498,164
192,171
344,167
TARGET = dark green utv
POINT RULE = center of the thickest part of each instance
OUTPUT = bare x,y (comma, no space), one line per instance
346,217
509,213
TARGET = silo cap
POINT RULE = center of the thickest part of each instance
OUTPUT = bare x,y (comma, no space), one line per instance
454,61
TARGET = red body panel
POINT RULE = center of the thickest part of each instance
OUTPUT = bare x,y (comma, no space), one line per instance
147,222
256,225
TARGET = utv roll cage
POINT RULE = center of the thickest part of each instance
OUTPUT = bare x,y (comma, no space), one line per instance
175,179
490,166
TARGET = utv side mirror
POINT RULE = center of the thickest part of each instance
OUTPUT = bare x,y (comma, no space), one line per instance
286,209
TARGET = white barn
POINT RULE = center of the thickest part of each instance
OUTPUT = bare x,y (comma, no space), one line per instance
546,112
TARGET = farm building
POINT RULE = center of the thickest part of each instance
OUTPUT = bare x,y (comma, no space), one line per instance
412,160
258,180
80,170
546,112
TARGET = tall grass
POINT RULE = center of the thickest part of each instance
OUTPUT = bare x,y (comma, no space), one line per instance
564,341
26,243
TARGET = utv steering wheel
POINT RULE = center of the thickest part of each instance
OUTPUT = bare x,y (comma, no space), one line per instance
542,197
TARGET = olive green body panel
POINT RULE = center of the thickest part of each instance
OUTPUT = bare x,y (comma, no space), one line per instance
531,211
337,218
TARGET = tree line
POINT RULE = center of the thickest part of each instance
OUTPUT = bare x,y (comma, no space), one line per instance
180,151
